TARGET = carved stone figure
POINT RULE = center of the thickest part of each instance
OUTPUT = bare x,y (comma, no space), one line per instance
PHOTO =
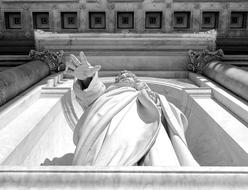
124,124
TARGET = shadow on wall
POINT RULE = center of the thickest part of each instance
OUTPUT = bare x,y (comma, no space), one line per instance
16,46
232,45
65,160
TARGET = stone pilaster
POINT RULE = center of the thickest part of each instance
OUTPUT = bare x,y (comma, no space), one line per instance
56,19
224,18
168,16
27,21
111,17
196,17
83,21
140,20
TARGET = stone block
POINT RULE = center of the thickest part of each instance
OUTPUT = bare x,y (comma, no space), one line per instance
159,52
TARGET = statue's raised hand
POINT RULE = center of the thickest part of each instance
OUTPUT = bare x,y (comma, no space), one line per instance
80,69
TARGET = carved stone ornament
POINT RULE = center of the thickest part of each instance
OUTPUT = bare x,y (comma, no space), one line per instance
52,59
111,6
198,59
26,7
168,5
82,7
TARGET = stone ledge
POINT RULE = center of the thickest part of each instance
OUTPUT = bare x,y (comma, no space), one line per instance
209,1
157,74
44,104
231,77
42,35
124,42
218,138
17,105
123,177
125,1
38,1
236,105
14,58
43,112
101,48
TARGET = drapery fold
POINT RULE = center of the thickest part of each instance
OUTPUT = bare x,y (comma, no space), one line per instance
112,132
120,126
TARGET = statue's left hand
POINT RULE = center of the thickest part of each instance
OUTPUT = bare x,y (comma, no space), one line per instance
80,69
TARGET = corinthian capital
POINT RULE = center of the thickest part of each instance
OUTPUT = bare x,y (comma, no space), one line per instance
198,59
52,59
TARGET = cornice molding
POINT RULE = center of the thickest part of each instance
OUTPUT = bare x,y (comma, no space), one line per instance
38,1
124,1
198,1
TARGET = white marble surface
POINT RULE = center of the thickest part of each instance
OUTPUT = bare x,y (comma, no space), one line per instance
216,136
123,178
235,104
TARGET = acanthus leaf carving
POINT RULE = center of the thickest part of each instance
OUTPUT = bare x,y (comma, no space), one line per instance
198,59
52,59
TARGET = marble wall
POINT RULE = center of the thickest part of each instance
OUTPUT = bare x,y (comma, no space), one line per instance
18,18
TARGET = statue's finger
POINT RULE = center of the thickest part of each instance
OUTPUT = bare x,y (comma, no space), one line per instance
84,59
91,71
70,65
67,65
98,67
75,60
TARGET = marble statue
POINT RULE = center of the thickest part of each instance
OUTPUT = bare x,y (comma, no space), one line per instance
124,124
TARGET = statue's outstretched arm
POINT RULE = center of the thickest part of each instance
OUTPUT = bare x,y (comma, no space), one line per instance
88,87
87,96
81,69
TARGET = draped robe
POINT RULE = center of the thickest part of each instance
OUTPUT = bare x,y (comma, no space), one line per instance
121,126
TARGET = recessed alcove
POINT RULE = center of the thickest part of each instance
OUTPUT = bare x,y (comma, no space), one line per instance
41,20
48,134
97,20
238,20
69,20
13,20
153,20
38,123
210,20
125,20
181,20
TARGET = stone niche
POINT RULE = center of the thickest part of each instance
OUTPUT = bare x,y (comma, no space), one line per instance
41,20
13,20
26,141
216,136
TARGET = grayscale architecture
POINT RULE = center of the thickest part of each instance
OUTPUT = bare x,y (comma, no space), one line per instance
192,54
